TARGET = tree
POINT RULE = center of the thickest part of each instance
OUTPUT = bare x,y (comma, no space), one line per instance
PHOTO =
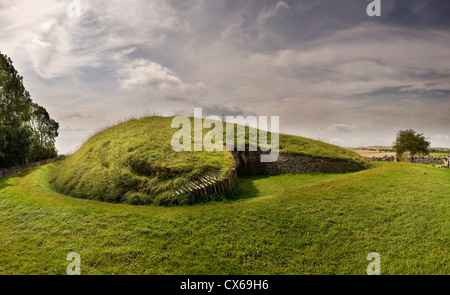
15,112
45,131
412,142
27,133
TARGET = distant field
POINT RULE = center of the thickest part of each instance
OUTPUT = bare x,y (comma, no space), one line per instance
286,224
381,152
439,154
374,153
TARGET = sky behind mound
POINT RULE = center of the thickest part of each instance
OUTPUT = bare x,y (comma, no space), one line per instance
326,68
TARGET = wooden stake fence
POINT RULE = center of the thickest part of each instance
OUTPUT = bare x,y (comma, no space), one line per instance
218,183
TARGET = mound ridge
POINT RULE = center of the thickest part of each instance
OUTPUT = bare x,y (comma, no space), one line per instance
134,163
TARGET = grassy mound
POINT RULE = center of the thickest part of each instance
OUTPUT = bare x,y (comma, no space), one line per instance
134,163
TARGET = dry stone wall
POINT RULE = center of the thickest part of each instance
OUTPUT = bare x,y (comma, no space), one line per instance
10,171
426,160
417,160
382,159
250,162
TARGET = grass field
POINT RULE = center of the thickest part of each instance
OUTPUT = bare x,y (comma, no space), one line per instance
286,224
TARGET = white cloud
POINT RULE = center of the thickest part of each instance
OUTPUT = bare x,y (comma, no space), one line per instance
149,76
57,45
144,73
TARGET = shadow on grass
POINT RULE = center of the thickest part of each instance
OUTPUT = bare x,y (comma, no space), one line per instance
6,181
246,188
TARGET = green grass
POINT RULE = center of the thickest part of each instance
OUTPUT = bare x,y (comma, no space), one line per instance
439,151
134,163
286,224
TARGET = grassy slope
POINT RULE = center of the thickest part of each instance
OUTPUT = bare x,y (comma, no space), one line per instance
134,163
313,148
287,224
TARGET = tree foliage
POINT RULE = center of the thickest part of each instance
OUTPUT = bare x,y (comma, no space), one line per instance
27,133
409,141
45,131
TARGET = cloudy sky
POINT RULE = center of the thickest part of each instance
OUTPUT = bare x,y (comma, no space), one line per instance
325,67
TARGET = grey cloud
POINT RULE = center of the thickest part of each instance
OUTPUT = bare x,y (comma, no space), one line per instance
74,116
385,90
406,91
69,129
219,109
349,128
427,13
176,99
